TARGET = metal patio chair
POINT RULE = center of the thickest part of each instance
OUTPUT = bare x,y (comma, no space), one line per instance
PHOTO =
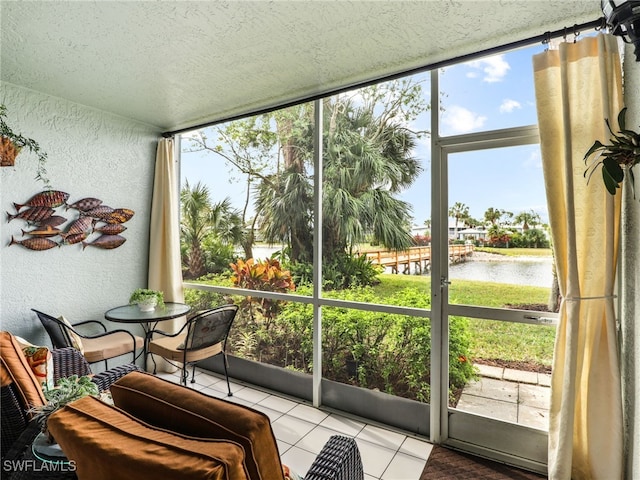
203,336
97,347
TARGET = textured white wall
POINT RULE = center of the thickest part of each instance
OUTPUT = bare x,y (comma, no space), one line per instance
630,282
91,154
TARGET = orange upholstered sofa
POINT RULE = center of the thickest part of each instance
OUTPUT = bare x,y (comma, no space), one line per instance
159,430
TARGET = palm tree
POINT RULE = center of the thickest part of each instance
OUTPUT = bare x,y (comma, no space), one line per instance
459,211
367,162
199,219
527,219
194,224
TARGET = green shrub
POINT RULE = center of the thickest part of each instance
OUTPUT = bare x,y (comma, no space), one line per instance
386,352
201,300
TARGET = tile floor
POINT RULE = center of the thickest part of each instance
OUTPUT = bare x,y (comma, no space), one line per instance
301,430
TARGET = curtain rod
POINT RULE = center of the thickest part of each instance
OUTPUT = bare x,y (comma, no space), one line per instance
543,38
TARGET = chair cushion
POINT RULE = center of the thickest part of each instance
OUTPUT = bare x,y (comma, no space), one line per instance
107,443
108,346
172,348
76,340
14,368
177,408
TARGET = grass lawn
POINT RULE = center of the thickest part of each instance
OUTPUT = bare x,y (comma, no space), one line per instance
490,339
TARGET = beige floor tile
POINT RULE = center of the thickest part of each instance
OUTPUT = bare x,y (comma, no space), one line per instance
343,424
298,460
291,429
316,439
375,458
404,467
416,448
382,437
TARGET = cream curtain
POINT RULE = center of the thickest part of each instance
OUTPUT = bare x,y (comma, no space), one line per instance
165,269
577,87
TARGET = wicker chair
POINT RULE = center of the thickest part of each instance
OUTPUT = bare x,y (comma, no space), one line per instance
97,347
18,428
203,336
339,459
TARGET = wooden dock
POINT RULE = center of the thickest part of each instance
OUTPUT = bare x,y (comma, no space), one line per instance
418,257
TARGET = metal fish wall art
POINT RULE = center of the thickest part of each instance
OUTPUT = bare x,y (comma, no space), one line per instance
46,231
35,243
94,224
32,215
86,204
110,229
101,212
75,238
119,215
81,225
48,198
53,221
107,242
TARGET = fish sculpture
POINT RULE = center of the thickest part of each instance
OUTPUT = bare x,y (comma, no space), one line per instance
107,242
86,204
119,215
75,238
100,212
81,225
46,231
53,221
111,229
48,198
33,214
35,243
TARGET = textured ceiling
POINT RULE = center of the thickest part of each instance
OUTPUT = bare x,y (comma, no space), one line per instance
175,64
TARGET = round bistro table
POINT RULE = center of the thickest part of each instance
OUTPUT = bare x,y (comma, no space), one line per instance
148,320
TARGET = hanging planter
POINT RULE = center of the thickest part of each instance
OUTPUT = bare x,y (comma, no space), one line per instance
620,156
8,152
11,144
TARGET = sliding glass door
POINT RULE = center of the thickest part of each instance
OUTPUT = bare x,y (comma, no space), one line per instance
493,289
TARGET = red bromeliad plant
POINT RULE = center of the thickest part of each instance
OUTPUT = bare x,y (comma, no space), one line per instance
266,276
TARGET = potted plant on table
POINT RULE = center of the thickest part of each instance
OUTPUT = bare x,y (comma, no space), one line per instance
67,390
620,156
146,299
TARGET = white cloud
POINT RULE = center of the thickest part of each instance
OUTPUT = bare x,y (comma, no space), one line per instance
494,68
509,105
461,120
534,160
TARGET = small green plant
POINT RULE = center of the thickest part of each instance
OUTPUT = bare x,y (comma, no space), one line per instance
67,390
142,295
621,155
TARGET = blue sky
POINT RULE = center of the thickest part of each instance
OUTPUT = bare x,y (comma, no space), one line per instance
491,93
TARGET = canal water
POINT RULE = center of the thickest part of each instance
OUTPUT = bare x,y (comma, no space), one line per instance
533,271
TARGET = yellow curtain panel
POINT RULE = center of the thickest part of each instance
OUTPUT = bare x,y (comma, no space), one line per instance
577,87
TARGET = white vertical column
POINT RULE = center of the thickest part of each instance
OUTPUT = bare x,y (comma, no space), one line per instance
317,253
439,234
629,283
